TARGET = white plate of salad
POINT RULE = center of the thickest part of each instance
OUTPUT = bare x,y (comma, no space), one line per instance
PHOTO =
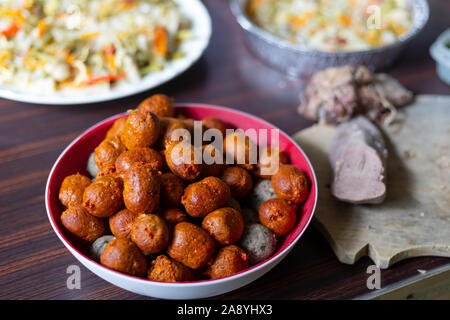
84,51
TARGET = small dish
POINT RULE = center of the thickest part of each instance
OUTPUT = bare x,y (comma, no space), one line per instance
74,158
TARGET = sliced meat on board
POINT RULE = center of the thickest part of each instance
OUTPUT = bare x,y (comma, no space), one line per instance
358,157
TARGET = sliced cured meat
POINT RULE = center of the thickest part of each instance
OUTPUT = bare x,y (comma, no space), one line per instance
358,157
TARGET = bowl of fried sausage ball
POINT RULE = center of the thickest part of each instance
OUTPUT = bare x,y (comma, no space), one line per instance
132,202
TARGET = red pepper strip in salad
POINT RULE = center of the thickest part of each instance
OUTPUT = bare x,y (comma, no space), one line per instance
12,29
105,78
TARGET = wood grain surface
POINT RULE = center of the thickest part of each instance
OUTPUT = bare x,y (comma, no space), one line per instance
33,262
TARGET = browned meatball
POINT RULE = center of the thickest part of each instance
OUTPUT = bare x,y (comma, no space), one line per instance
173,216
225,225
215,168
79,222
141,190
106,171
290,183
228,261
117,128
146,156
239,180
190,126
269,161
108,151
121,222
150,233
103,197
191,245
240,147
168,270
214,123
202,197
172,130
159,104
141,130
277,215
122,255
72,188
180,158
172,189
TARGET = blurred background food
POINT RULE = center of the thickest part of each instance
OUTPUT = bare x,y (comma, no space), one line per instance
61,44
301,37
334,25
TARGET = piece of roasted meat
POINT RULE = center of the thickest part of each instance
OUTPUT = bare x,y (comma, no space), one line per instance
337,94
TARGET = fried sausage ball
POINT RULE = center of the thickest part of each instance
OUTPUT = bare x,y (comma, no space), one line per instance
200,198
159,104
107,152
146,156
191,245
189,124
121,222
180,158
141,130
172,131
291,184
269,161
172,189
141,191
228,261
72,188
216,167
241,148
150,233
168,270
277,215
106,171
117,128
79,222
122,255
239,180
103,197
225,225
173,216
214,123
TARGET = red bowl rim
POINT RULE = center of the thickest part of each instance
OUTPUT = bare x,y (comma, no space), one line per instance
240,274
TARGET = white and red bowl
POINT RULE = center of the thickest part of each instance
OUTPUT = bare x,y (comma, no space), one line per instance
74,159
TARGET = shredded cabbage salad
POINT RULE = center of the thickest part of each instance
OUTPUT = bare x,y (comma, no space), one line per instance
51,45
334,25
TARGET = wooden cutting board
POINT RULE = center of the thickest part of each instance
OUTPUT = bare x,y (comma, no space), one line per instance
414,220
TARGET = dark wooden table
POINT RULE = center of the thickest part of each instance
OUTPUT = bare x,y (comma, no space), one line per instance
33,261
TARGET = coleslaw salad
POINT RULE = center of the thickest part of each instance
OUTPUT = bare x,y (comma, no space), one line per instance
334,25
93,45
